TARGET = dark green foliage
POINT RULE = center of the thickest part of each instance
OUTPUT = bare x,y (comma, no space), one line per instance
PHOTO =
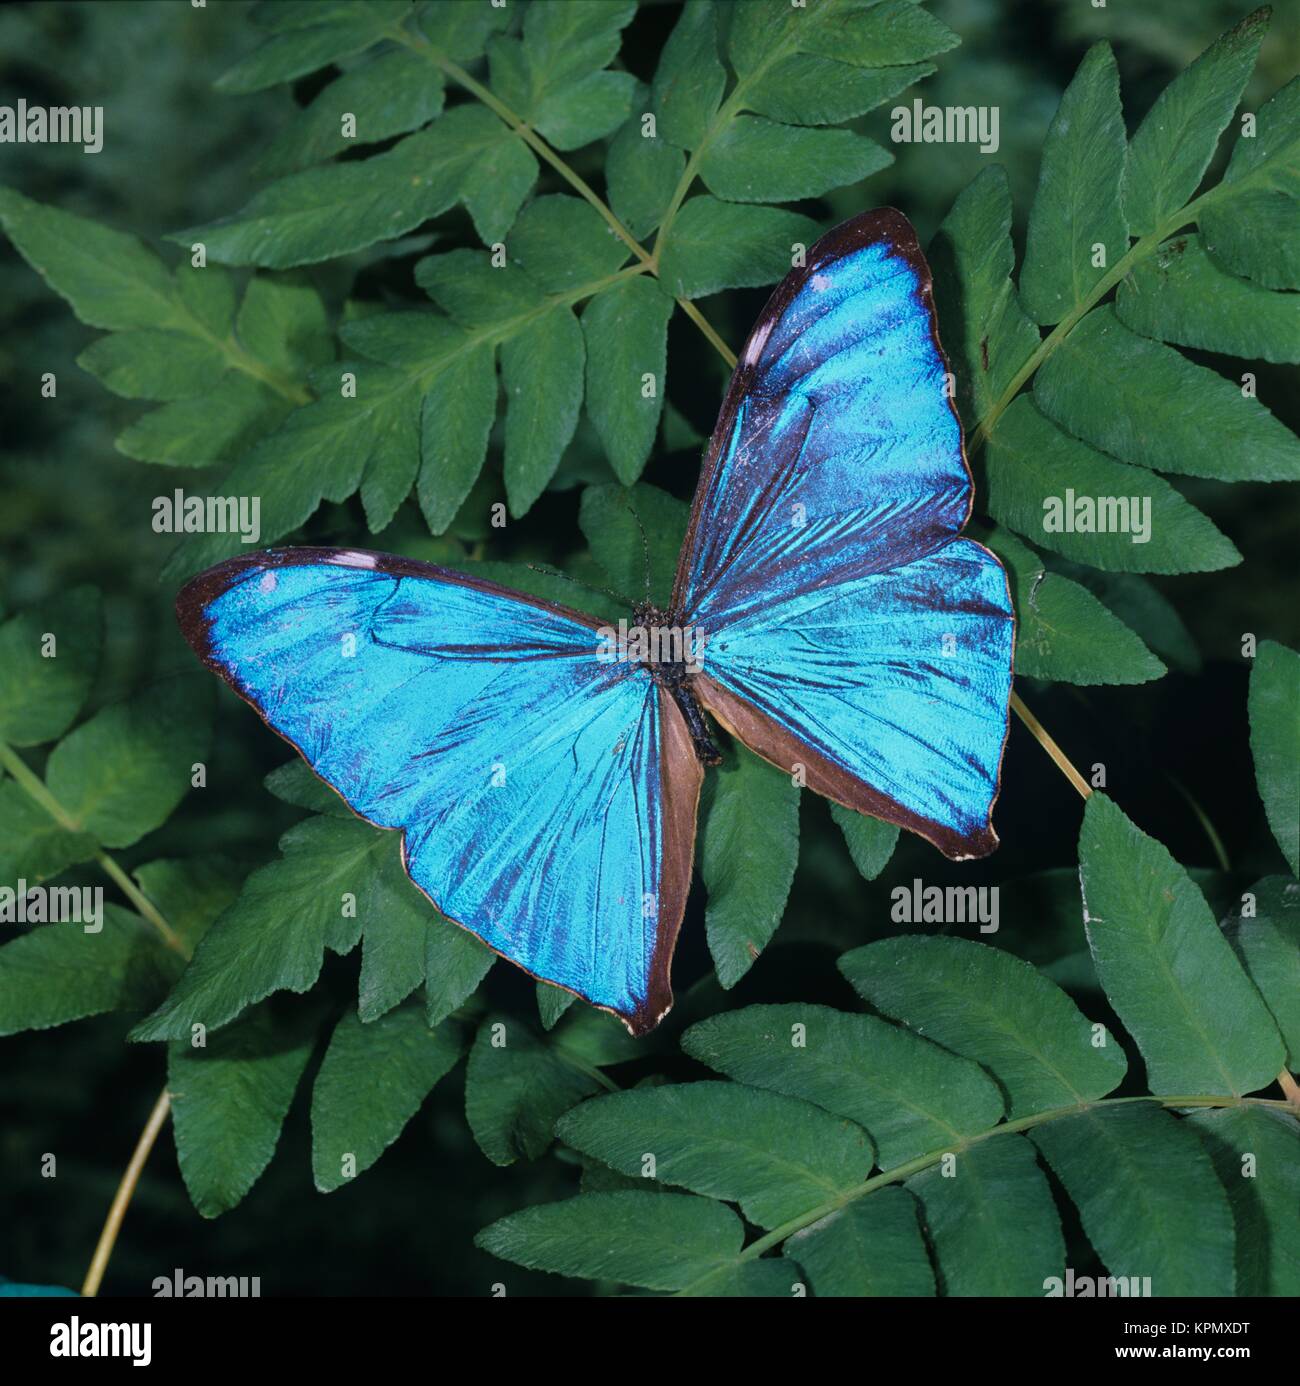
1148,1196
445,306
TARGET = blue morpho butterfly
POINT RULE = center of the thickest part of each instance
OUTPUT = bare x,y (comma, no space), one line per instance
847,630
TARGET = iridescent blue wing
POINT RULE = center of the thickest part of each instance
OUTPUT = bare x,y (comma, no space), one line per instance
546,798
848,630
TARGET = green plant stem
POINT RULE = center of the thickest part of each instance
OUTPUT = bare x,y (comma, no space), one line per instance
722,117
590,1070
1046,741
564,169
239,358
922,1162
141,901
530,137
500,332
1136,253
125,1190
1140,250
1203,818
706,327
39,793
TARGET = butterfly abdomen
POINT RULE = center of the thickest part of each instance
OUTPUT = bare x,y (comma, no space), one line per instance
701,737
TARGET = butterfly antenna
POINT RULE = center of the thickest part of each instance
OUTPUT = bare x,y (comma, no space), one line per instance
577,582
645,548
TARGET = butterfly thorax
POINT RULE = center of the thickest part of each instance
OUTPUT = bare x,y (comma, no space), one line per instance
672,654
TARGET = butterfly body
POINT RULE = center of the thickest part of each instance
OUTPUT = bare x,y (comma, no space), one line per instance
545,770
673,660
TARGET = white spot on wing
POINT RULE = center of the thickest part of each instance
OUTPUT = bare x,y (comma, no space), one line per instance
757,342
268,582
352,559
